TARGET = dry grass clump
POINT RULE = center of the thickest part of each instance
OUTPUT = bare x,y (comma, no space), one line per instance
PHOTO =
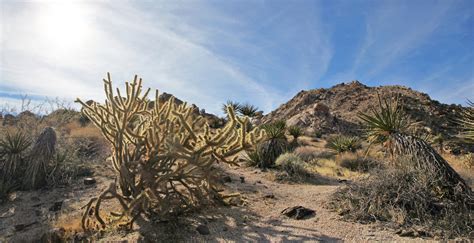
356,162
308,153
292,165
407,197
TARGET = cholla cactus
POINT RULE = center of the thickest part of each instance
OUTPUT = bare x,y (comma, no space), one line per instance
162,153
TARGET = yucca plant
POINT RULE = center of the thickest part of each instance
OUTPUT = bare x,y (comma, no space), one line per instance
388,124
388,119
467,123
275,143
248,110
343,144
12,150
295,132
234,105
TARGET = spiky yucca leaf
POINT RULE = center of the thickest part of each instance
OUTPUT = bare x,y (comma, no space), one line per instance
467,123
248,110
235,106
275,130
343,144
387,119
12,148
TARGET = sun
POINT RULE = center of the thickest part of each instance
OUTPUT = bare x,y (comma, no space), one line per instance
62,25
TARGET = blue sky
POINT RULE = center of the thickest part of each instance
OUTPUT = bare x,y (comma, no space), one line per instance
262,52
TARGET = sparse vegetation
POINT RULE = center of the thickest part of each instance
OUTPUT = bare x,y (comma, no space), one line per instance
408,198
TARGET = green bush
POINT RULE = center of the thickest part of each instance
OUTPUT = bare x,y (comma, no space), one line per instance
343,144
355,162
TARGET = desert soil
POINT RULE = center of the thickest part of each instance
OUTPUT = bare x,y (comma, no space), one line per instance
258,219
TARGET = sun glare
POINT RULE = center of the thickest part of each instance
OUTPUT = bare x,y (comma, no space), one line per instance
62,25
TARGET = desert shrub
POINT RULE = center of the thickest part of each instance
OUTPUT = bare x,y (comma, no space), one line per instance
83,120
162,156
408,198
274,145
293,165
468,160
89,148
356,162
317,134
343,144
253,157
309,153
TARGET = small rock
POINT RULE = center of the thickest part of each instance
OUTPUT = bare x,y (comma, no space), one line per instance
259,182
89,181
56,206
342,181
225,229
298,212
406,233
270,195
242,179
203,230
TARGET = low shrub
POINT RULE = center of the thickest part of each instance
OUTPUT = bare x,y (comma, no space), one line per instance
309,153
293,165
407,198
355,162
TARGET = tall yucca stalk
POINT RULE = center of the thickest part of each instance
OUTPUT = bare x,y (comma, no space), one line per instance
388,124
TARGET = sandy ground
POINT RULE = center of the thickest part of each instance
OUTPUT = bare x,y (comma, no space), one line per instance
257,220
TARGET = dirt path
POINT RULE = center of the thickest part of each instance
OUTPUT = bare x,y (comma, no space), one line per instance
258,220
261,220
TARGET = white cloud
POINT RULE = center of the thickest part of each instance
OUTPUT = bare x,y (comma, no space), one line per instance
168,52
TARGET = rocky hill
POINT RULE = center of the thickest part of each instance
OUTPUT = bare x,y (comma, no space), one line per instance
334,110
